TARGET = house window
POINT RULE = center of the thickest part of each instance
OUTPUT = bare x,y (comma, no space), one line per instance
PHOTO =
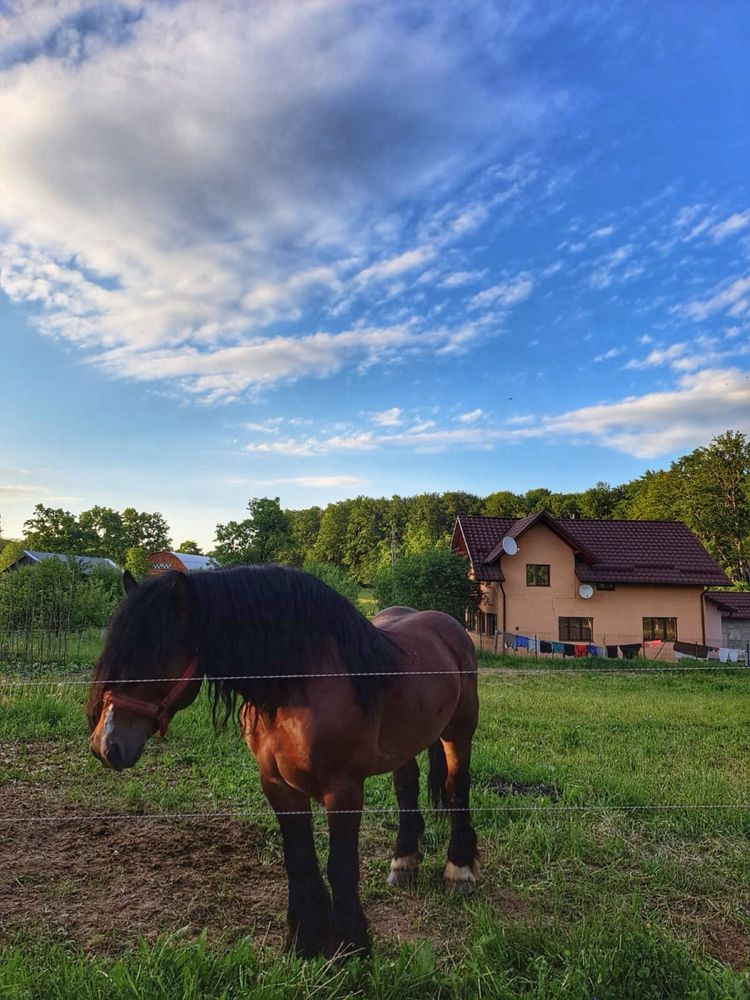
491,621
576,629
605,586
481,626
471,620
537,575
660,628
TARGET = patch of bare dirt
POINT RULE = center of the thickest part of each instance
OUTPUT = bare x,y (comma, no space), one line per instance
719,935
103,884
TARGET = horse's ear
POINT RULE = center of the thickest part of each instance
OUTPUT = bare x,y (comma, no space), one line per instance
129,582
179,588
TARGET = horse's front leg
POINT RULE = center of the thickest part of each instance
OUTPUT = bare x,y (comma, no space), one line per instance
343,805
309,910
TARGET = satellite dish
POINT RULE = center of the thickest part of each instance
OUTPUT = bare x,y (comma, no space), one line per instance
585,591
510,546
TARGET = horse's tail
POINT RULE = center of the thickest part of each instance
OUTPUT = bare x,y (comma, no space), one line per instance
437,775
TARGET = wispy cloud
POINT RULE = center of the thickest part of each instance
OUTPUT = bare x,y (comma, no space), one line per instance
388,418
150,212
731,225
508,292
732,297
698,406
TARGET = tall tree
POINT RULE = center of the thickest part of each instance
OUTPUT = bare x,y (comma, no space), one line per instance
714,500
190,548
265,536
52,529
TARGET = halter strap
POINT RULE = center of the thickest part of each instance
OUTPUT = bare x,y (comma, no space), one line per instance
161,712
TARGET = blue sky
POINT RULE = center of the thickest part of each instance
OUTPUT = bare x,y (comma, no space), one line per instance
324,249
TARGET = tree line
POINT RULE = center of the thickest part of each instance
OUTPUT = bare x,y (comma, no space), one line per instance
708,489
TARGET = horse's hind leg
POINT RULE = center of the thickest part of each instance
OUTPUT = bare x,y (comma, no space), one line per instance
461,869
407,852
309,910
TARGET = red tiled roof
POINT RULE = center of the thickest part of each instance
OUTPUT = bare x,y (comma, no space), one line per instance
733,603
664,552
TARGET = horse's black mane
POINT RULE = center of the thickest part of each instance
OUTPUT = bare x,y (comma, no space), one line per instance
248,622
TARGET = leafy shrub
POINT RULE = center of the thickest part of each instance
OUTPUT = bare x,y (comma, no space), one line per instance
432,580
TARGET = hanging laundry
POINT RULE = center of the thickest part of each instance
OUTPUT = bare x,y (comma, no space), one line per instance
581,649
734,655
630,650
522,642
612,652
509,640
723,654
558,647
691,649
545,647
568,649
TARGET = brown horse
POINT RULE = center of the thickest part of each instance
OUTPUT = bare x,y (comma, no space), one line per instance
404,683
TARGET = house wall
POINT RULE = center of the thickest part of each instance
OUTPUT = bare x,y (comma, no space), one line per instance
735,632
617,615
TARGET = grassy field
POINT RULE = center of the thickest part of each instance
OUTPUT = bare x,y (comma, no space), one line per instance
583,893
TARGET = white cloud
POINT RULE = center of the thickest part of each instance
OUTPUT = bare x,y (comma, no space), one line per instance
458,278
603,231
732,297
507,293
471,417
175,178
659,356
701,405
736,222
609,269
388,418
322,481
394,267
613,352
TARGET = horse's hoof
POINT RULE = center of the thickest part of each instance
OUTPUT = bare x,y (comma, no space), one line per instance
403,873
402,879
459,880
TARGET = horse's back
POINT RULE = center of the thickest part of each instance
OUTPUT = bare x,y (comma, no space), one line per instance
421,633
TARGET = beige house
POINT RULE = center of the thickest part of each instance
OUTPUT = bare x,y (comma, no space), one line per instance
612,584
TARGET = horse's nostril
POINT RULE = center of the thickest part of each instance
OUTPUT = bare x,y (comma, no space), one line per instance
115,757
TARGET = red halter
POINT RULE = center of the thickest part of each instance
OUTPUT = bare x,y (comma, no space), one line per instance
160,712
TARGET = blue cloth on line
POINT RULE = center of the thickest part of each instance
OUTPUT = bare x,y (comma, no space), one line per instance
522,642
557,647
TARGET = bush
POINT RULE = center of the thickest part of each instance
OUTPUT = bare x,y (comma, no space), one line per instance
433,580
334,576
55,596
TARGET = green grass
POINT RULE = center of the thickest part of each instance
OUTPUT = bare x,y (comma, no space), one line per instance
573,902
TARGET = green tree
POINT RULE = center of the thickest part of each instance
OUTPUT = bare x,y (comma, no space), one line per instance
265,536
190,548
136,561
714,499
433,580
305,527
10,553
366,529
52,529
503,503
330,543
148,531
335,577
102,533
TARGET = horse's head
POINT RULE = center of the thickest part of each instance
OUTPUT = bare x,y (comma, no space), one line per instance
147,670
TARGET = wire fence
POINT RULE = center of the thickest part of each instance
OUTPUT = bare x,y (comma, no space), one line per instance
503,673
563,808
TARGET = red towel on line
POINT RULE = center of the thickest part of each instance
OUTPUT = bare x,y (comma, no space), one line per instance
581,649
